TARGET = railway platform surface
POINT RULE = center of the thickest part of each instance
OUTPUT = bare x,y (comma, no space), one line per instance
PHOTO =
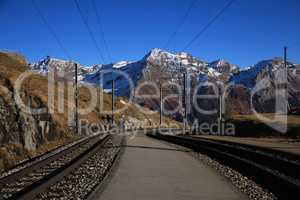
151,169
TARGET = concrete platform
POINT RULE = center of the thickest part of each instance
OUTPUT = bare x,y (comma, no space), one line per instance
152,170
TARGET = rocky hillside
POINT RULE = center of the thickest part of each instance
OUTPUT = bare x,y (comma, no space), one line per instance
268,76
20,133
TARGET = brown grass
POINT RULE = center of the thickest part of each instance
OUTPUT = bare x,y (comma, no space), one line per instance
252,126
11,154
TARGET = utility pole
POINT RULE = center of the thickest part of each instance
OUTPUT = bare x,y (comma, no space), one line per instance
161,105
184,103
221,117
286,74
76,98
285,58
112,101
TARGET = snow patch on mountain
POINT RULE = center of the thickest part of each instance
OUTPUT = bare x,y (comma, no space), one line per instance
121,64
126,76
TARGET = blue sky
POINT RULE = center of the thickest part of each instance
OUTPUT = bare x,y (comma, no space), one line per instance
249,31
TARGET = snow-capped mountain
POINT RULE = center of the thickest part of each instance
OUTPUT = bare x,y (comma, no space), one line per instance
181,61
43,65
65,68
250,76
157,65
120,72
267,77
165,67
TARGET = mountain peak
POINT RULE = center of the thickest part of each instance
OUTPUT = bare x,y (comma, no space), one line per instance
218,63
157,52
44,65
223,66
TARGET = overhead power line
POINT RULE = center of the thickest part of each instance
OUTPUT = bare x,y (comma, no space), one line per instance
54,35
89,30
173,35
227,5
100,25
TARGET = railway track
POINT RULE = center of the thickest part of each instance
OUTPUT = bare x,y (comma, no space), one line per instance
36,177
279,172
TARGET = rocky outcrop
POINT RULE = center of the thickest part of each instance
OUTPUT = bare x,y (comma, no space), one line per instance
19,127
21,133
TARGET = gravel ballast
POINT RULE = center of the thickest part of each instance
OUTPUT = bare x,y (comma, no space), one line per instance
81,182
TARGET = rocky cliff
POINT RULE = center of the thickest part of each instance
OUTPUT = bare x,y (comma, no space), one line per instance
21,134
